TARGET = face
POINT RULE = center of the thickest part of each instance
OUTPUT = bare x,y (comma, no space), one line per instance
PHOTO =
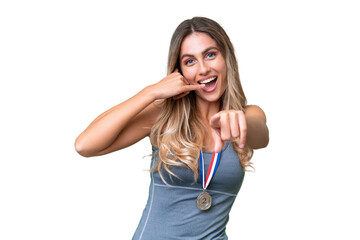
202,62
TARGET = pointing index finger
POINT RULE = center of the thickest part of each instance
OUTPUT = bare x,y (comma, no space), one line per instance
215,121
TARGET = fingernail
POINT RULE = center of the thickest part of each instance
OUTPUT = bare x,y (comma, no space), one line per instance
242,145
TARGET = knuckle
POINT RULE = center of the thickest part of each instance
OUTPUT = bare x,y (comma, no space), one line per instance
225,137
240,114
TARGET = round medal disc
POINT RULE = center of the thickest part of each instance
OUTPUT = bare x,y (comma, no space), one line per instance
204,201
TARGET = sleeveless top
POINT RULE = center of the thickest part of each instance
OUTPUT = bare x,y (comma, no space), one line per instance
171,212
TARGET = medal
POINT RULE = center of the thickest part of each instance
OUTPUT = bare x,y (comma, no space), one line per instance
204,200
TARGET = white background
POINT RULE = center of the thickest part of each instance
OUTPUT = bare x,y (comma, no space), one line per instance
62,63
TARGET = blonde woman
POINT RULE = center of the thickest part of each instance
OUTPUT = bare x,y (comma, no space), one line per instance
202,134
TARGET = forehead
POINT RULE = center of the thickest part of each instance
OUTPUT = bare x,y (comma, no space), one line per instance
195,43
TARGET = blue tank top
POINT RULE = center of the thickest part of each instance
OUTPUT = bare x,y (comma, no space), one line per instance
171,212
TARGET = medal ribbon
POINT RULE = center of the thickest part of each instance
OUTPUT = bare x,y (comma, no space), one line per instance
215,159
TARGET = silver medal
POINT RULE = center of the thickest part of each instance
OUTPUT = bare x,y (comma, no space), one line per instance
204,201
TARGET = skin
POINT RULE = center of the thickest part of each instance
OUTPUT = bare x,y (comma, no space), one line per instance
130,121
201,59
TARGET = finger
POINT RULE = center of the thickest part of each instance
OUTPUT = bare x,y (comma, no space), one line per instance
188,82
180,95
188,88
234,125
225,127
217,139
176,70
243,129
215,121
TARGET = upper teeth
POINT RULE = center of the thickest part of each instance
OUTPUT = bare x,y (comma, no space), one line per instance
207,80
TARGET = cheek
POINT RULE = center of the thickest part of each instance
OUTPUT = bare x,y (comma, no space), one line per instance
222,70
190,74
221,66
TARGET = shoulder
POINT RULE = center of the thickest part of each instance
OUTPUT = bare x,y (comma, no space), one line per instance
255,111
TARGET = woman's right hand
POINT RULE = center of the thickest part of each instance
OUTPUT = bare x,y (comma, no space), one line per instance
131,120
174,85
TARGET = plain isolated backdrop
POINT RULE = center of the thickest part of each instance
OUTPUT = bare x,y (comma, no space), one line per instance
63,63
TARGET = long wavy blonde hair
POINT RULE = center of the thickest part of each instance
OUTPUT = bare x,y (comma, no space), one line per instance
178,132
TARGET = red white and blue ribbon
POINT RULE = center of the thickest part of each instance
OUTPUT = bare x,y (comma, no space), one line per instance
215,159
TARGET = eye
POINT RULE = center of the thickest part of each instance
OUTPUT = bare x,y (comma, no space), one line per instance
189,61
210,55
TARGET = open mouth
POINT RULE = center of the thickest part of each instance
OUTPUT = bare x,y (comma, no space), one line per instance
210,84
208,80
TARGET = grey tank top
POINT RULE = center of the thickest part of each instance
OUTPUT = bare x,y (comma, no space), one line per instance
171,212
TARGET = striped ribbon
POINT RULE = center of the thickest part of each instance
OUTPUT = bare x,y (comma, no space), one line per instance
215,159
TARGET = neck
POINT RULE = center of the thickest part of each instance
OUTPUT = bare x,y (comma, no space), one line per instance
207,109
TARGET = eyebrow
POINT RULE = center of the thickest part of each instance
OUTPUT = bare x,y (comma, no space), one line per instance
203,52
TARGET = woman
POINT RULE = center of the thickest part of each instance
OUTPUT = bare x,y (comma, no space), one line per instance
201,130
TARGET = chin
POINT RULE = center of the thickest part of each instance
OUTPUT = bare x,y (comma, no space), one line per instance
211,98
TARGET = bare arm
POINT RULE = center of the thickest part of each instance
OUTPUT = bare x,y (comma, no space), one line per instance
118,127
248,126
257,131
130,121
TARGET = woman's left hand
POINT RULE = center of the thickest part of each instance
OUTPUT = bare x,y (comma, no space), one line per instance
228,125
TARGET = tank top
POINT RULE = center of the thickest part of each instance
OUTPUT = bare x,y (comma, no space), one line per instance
171,212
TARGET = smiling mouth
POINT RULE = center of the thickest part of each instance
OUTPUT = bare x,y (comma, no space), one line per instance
210,84
208,80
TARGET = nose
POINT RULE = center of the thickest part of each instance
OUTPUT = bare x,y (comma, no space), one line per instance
204,68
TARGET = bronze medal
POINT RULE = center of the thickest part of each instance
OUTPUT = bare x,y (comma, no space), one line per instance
204,201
